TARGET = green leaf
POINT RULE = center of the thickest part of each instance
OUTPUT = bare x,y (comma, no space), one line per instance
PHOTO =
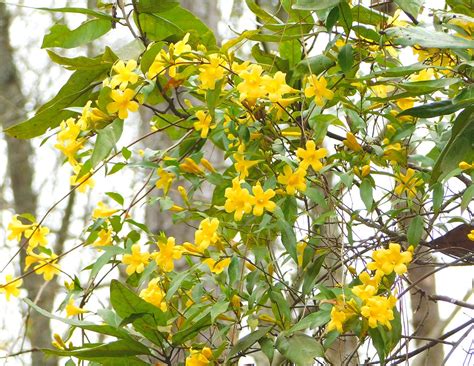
314,65
438,196
459,147
264,16
411,7
361,14
104,61
431,110
244,343
268,348
313,320
107,138
429,38
461,6
288,239
311,272
366,193
315,4
114,350
176,22
280,306
291,51
75,92
378,343
345,16
105,258
126,303
345,58
61,36
415,231
299,348
428,86
116,197
467,197
332,18
153,6
218,308
316,196
272,62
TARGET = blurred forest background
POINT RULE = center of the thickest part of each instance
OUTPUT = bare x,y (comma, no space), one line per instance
32,178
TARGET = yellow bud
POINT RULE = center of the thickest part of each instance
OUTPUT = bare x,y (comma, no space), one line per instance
176,208
59,341
365,170
184,194
206,164
270,269
352,270
464,165
235,300
250,266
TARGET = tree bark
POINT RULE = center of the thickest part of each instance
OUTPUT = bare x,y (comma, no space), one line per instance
21,174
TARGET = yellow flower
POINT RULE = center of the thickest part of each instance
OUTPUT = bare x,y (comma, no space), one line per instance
11,288
73,310
351,142
217,267
207,233
199,358
251,88
122,102
154,294
316,87
294,180
261,200
363,172
102,211
378,309
238,200
37,236
388,260
181,46
83,182
470,236
68,139
165,180
463,165
159,64
167,253
211,72
311,156
17,228
164,60
423,75
105,238
204,123
408,183
46,264
241,165
405,103
125,74
276,86
136,261
338,318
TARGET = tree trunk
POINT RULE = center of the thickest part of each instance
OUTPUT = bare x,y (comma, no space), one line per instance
20,171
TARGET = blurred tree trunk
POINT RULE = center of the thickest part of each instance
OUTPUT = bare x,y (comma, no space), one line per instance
20,171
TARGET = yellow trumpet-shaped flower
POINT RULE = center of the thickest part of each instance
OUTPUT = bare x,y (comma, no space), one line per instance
46,265
17,228
136,261
105,238
167,253
199,358
165,179
317,88
103,211
252,86
238,200
207,233
37,236
154,294
203,123
11,288
73,310
388,260
408,183
311,156
217,266
379,310
261,200
122,102
124,74
351,142
276,86
293,180
211,72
